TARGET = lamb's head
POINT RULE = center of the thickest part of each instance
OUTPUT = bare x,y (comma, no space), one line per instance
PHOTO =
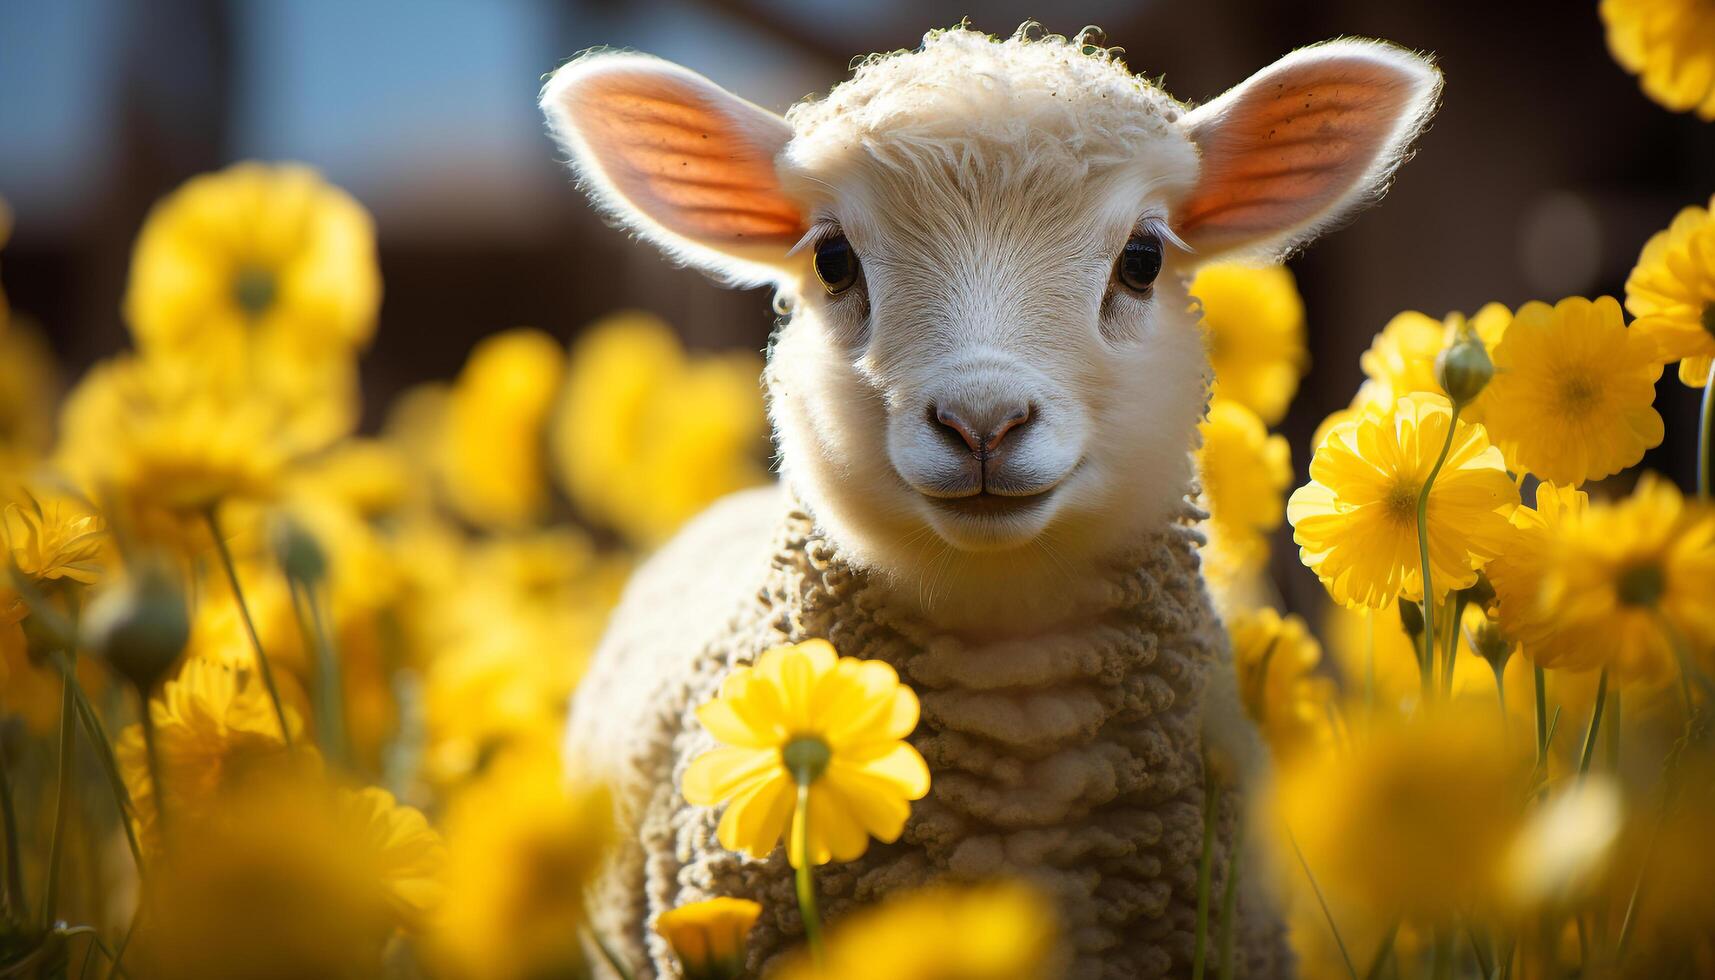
991,368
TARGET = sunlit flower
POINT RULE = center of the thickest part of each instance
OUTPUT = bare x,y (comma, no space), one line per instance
491,459
1356,521
1276,659
1621,580
523,846
1666,43
1401,359
1410,821
1255,322
1571,399
292,877
804,700
1001,931
1244,473
58,540
646,436
710,937
267,262
214,728
28,393
1519,571
1672,290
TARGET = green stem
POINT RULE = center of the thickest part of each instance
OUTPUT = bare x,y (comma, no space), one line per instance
1541,678
329,701
1501,693
1327,913
1384,954
154,757
1230,904
1706,440
1205,872
14,900
608,954
97,734
262,664
1613,739
1595,724
62,801
805,878
1423,555
125,942
1452,653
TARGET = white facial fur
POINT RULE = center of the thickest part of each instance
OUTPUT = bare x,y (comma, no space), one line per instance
987,189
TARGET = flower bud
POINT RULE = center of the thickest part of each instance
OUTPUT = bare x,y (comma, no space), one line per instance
140,627
300,555
710,938
1463,367
1411,617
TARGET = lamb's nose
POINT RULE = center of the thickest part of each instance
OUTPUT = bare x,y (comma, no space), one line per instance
982,429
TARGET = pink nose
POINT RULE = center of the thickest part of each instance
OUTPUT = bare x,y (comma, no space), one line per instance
983,430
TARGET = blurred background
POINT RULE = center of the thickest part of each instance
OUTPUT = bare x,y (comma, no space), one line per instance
1542,176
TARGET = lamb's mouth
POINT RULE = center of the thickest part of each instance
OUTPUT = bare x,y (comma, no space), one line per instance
991,505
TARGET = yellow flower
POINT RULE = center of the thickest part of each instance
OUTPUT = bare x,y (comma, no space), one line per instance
1615,577
1401,359
1245,473
1672,293
292,877
491,457
1255,322
1411,821
1565,845
1666,43
710,937
1519,571
214,728
1356,521
1001,931
523,844
1276,660
57,541
28,392
848,715
1377,657
1571,399
265,261
645,436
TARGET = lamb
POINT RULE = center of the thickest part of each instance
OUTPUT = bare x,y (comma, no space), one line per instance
985,396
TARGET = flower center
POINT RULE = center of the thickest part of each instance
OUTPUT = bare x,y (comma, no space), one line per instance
253,289
1641,585
1401,503
806,758
1577,393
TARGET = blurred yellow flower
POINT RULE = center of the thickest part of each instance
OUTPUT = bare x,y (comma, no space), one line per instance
61,540
1000,931
1564,846
710,937
1356,521
1401,359
28,393
492,457
523,843
847,717
1573,390
1376,655
1666,43
1411,821
1519,571
1276,659
215,729
1245,473
292,878
1621,580
1672,290
261,263
646,436
1255,322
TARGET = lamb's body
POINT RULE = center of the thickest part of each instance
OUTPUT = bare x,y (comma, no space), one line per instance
1072,757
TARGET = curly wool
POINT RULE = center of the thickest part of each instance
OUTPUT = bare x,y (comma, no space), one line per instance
1072,759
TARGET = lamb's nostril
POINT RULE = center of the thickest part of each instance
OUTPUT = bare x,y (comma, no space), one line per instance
949,418
1007,424
982,431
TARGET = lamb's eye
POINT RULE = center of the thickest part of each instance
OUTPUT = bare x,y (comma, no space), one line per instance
836,264
1139,262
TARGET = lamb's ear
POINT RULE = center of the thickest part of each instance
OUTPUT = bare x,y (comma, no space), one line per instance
1301,144
679,160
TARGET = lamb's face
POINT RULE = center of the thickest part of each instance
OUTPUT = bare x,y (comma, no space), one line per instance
991,377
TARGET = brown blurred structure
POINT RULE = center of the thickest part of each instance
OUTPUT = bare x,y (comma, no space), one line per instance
1544,173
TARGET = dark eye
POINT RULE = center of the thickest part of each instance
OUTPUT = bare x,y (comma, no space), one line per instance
836,264
1139,262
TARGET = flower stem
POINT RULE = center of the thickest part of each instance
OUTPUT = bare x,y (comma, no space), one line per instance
1230,904
1327,913
152,753
330,700
608,954
1595,723
97,735
249,625
1452,653
1423,552
1205,871
1706,440
62,801
12,900
805,879
1541,678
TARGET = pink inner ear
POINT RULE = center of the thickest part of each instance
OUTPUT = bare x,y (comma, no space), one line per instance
1290,146
689,166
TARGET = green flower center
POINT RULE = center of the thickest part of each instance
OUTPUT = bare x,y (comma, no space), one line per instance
806,758
1709,318
1641,585
253,289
